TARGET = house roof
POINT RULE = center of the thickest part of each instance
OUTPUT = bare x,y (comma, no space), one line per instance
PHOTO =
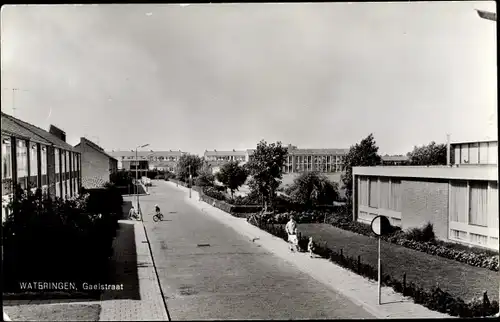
225,153
94,146
472,142
394,158
317,151
26,130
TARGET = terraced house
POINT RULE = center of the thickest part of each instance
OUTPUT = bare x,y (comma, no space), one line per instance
97,165
322,160
161,160
460,200
215,159
35,158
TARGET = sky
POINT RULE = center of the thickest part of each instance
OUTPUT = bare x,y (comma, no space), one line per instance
225,76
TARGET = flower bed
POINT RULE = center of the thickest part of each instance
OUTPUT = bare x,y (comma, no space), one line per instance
434,299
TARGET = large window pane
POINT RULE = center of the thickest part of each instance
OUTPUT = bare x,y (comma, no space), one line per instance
474,153
458,158
492,152
384,193
363,191
22,164
483,152
6,166
373,190
478,204
33,165
458,202
44,165
493,206
396,195
465,153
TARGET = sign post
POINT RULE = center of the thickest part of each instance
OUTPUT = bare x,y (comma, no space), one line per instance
380,226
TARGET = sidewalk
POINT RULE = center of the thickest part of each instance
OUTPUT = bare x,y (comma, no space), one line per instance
358,289
148,305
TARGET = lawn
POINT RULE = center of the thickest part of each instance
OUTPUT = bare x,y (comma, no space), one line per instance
426,270
54,312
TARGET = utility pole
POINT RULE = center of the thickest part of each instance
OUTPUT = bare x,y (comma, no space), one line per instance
14,90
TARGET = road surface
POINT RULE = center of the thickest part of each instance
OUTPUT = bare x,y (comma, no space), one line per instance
209,271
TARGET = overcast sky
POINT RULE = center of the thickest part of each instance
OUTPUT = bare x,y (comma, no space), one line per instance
224,76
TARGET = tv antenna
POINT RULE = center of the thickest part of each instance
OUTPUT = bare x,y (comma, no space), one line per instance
14,90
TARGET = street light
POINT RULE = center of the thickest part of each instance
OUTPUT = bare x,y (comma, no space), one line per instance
487,15
137,176
189,167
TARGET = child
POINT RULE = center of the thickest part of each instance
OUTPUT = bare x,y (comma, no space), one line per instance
310,247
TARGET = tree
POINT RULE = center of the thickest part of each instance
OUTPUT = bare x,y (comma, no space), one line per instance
205,179
431,154
313,188
363,154
188,164
232,176
266,168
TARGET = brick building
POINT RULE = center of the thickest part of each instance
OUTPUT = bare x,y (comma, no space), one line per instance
33,157
461,201
97,165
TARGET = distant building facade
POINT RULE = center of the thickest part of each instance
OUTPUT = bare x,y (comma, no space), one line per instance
297,161
161,160
97,165
389,160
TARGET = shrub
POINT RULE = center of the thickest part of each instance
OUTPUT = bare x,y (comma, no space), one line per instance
313,188
214,193
424,234
53,240
205,179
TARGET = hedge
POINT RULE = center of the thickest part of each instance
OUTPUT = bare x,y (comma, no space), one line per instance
434,299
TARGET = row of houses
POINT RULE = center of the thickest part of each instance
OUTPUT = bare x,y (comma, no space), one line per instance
35,158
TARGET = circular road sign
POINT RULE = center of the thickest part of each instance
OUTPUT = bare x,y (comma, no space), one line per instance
380,225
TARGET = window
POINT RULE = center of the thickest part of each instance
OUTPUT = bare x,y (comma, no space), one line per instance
363,191
493,205
458,234
465,153
33,165
458,202
384,193
474,153
57,164
22,163
483,153
492,152
478,203
6,166
458,158
44,165
478,239
396,189
373,192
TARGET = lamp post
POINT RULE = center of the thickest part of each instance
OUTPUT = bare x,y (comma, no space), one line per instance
137,176
487,15
189,167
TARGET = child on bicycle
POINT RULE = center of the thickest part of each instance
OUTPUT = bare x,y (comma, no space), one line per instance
157,209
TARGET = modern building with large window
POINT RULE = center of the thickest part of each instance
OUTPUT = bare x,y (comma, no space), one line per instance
97,165
461,200
35,158
166,160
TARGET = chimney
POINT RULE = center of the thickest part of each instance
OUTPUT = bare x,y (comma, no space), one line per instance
448,152
54,130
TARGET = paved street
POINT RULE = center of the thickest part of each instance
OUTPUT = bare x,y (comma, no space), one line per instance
209,271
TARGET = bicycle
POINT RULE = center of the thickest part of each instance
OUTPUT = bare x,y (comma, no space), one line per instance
158,217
